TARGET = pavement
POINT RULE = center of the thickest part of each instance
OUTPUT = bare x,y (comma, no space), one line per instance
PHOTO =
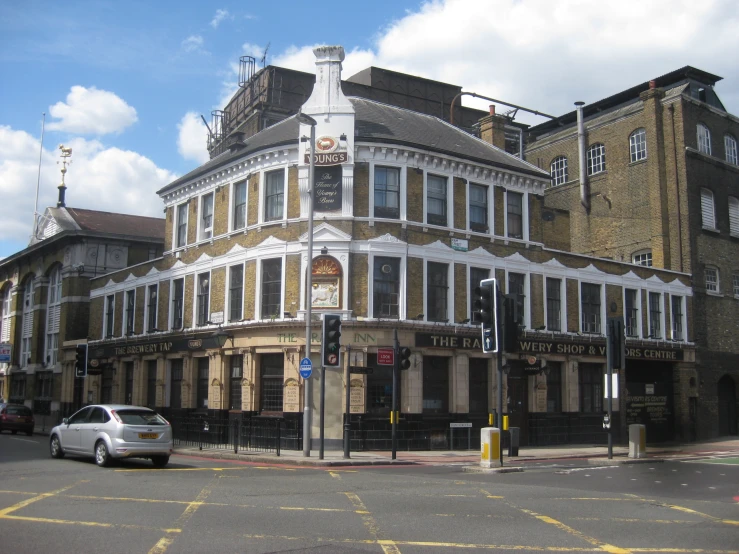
590,454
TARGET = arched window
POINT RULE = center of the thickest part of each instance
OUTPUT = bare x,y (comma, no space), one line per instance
730,148
53,311
27,322
558,170
638,145
642,257
596,159
708,211
704,139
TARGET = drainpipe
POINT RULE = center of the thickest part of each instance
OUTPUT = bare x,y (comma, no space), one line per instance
584,188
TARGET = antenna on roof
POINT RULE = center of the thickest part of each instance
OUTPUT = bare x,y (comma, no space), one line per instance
264,55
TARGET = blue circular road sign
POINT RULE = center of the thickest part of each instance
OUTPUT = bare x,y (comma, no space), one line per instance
306,368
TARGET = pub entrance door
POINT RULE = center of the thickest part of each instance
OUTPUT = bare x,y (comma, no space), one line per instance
518,403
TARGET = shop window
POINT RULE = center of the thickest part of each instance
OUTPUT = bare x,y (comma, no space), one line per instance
514,215
151,307
596,159
437,292
202,300
387,192
553,373
272,385
435,385
554,304
201,396
236,365
478,208
386,287
239,204
638,145
44,389
274,196
477,274
236,293
436,200
178,295
591,388
271,288
478,385
558,170
590,304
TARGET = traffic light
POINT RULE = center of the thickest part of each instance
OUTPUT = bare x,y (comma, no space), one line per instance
80,360
331,340
404,357
510,323
485,308
615,343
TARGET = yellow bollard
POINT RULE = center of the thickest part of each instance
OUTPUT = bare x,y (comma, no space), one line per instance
489,447
505,423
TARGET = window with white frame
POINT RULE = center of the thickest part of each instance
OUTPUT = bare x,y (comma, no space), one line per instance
704,139
712,279
151,307
5,317
517,287
206,217
271,288
638,145
514,214
730,149
734,216
708,210
596,159
554,304
677,317
27,323
478,208
239,206
274,195
201,302
631,313
655,315
735,284
643,257
437,292
386,287
178,298
129,307
558,171
109,315
181,226
53,315
590,305
387,192
236,293
436,200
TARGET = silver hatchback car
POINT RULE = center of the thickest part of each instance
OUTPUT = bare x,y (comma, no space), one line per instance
113,431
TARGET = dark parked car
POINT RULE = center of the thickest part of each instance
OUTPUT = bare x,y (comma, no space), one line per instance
16,417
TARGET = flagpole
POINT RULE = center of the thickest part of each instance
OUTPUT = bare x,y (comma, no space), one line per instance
38,179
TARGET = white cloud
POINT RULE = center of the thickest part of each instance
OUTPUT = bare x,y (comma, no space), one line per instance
193,43
91,111
99,178
192,139
219,17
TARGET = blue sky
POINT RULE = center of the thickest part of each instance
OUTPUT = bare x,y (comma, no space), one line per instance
124,84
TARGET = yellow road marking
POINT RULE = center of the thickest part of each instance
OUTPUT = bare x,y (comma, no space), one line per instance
684,510
388,546
161,546
335,475
27,501
238,468
634,520
90,523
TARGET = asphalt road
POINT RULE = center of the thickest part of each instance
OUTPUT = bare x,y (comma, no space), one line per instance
200,505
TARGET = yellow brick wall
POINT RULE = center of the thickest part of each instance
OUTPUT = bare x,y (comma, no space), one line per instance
460,292
573,305
250,289
361,189
414,186
293,194
252,207
499,193
460,202
218,291
414,292
292,284
359,286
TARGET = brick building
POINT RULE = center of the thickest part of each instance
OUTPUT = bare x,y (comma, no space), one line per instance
44,299
656,183
411,213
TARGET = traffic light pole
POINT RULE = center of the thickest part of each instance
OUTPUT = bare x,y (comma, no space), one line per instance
348,399
396,356
323,405
499,411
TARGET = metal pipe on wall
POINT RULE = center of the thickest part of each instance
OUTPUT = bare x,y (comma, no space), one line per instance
584,187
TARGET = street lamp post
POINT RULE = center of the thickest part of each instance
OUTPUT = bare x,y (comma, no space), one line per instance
307,120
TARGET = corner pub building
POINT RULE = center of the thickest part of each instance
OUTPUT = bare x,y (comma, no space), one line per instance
411,216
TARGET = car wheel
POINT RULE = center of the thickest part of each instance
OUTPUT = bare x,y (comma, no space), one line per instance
160,461
55,447
102,456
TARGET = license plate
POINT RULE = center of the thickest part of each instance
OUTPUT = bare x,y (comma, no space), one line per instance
147,435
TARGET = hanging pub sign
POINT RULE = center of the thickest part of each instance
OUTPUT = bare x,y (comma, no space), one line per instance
326,153
328,188
532,365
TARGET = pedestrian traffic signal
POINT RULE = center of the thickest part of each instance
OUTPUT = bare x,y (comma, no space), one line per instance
404,357
331,340
485,309
80,360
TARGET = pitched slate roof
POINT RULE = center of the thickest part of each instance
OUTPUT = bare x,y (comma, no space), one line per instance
118,224
378,122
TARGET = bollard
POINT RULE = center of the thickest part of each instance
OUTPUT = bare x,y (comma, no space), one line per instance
514,436
637,441
490,447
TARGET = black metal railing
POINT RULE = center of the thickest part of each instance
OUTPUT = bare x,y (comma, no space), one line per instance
251,434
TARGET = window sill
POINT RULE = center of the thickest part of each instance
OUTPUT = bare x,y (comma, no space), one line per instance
637,162
711,230
714,293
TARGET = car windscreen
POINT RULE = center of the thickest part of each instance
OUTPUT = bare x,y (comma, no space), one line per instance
140,417
19,410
